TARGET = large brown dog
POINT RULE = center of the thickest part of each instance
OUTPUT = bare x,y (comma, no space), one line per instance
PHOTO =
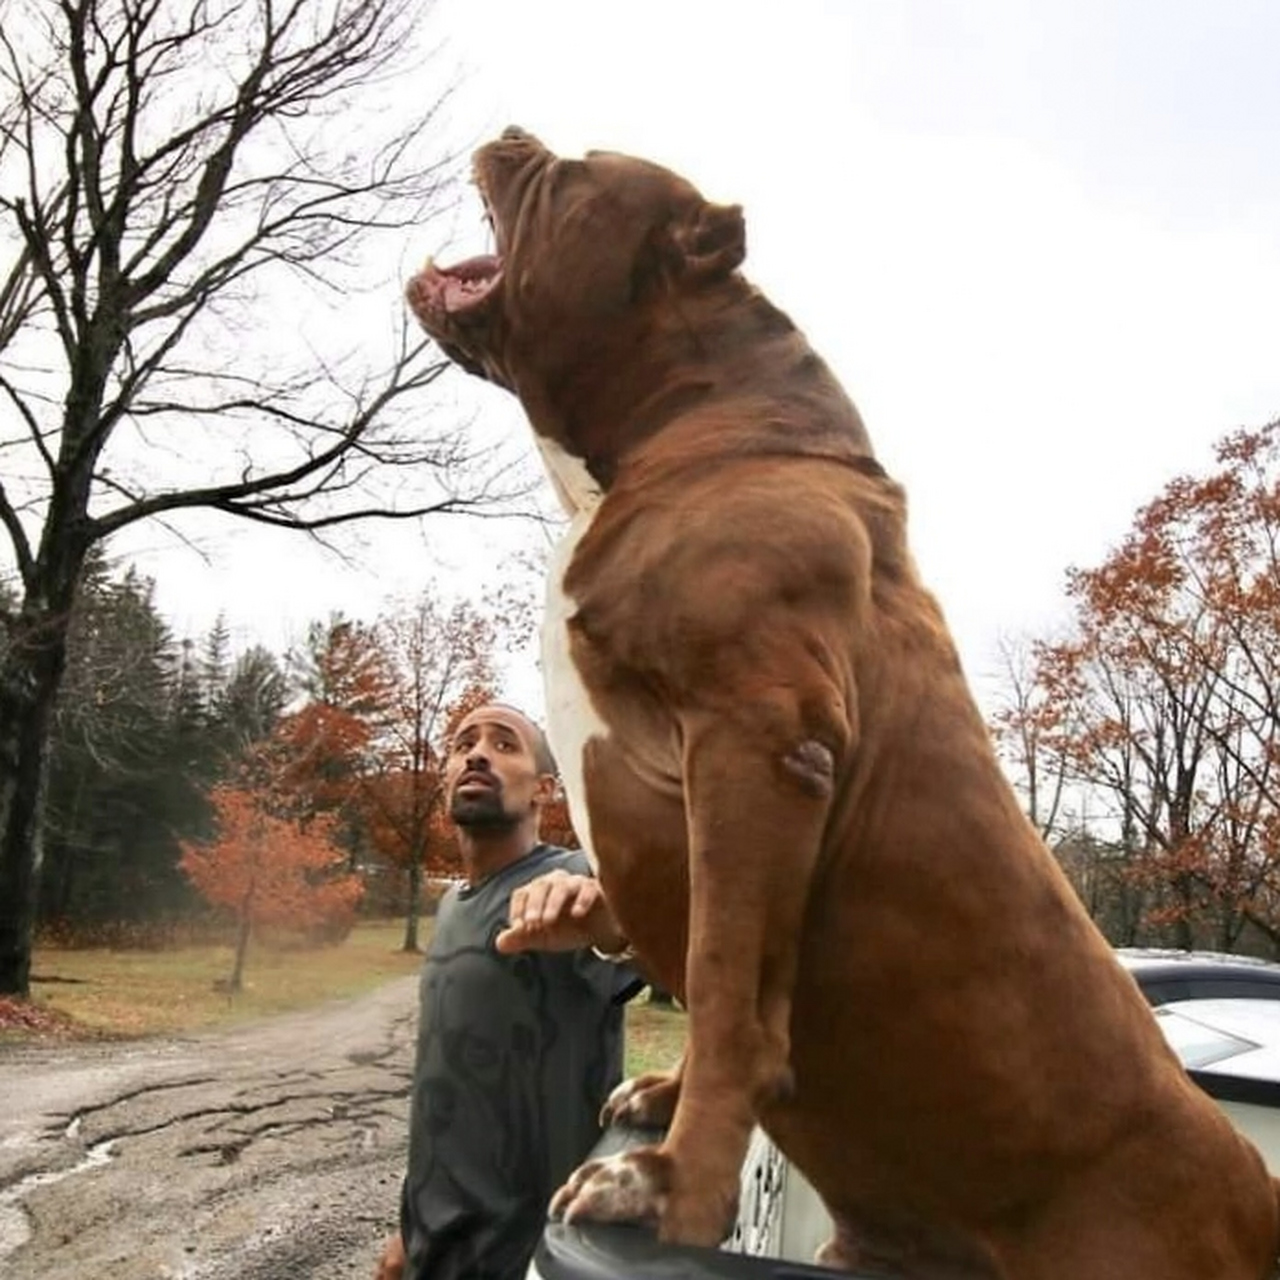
772,752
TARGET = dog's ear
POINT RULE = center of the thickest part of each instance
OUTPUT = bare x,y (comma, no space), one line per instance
713,242
702,242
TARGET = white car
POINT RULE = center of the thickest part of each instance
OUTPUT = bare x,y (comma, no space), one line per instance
1221,1014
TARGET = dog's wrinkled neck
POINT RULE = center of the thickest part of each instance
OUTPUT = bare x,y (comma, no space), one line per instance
714,358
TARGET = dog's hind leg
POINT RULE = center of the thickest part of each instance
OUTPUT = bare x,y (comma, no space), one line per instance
911,1254
843,1252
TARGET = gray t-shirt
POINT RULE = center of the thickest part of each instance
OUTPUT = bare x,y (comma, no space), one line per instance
515,1056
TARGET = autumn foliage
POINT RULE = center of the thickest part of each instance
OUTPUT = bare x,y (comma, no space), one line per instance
328,745
556,826
267,869
348,788
1160,712
406,821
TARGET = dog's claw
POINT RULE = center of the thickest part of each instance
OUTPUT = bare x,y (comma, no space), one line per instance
643,1102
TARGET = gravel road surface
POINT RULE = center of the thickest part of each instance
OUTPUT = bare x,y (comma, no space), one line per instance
272,1151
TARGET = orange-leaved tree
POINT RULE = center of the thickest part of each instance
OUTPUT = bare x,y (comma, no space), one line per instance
1166,700
328,746
270,869
557,824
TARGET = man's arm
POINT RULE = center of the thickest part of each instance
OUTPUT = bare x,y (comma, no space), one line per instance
561,911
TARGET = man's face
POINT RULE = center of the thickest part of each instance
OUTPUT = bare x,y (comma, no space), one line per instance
492,778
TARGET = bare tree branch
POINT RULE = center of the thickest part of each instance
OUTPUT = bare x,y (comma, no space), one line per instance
201,209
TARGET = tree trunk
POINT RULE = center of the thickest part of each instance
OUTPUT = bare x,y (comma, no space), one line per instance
413,908
236,981
32,669
30,676
24,715
1184,937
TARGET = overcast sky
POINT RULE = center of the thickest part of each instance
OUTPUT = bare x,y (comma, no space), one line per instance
1039,243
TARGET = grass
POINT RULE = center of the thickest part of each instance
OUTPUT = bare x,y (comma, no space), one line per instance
125,993
139,993
655,1036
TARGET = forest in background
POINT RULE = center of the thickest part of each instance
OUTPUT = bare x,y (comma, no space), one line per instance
289,790
1144,740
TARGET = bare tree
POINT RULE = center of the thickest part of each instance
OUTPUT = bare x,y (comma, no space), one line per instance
443,660
192,192
1023,726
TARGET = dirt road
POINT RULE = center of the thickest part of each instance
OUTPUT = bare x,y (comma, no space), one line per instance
270,1152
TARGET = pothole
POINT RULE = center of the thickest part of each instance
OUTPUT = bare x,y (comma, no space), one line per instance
15,1227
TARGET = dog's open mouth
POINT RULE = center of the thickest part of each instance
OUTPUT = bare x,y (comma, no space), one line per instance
456,289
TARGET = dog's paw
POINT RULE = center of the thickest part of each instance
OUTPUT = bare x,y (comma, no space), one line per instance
631,1187
643,1102
642,1185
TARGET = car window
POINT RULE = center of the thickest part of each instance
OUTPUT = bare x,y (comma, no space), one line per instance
1196,1044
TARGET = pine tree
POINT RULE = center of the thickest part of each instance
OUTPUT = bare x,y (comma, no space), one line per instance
121,784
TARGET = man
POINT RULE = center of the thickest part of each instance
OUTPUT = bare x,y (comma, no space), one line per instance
520,1020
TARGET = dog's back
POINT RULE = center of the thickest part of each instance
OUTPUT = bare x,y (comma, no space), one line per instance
967,1049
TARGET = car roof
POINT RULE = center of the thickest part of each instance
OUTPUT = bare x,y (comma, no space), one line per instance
1165,975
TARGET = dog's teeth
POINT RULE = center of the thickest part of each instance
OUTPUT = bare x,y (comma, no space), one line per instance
429,262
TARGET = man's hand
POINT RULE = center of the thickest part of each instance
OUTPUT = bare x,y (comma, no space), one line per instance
391,1264
560,912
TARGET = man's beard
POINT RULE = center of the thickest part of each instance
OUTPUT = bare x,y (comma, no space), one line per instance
481,812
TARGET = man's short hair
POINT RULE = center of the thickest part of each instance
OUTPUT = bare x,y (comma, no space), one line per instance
542,756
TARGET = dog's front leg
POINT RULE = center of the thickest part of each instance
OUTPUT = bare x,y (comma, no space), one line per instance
757,799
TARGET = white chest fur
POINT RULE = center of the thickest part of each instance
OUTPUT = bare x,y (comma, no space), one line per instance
575,486
572,722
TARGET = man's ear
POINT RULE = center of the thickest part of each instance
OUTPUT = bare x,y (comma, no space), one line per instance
546,789
713,242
